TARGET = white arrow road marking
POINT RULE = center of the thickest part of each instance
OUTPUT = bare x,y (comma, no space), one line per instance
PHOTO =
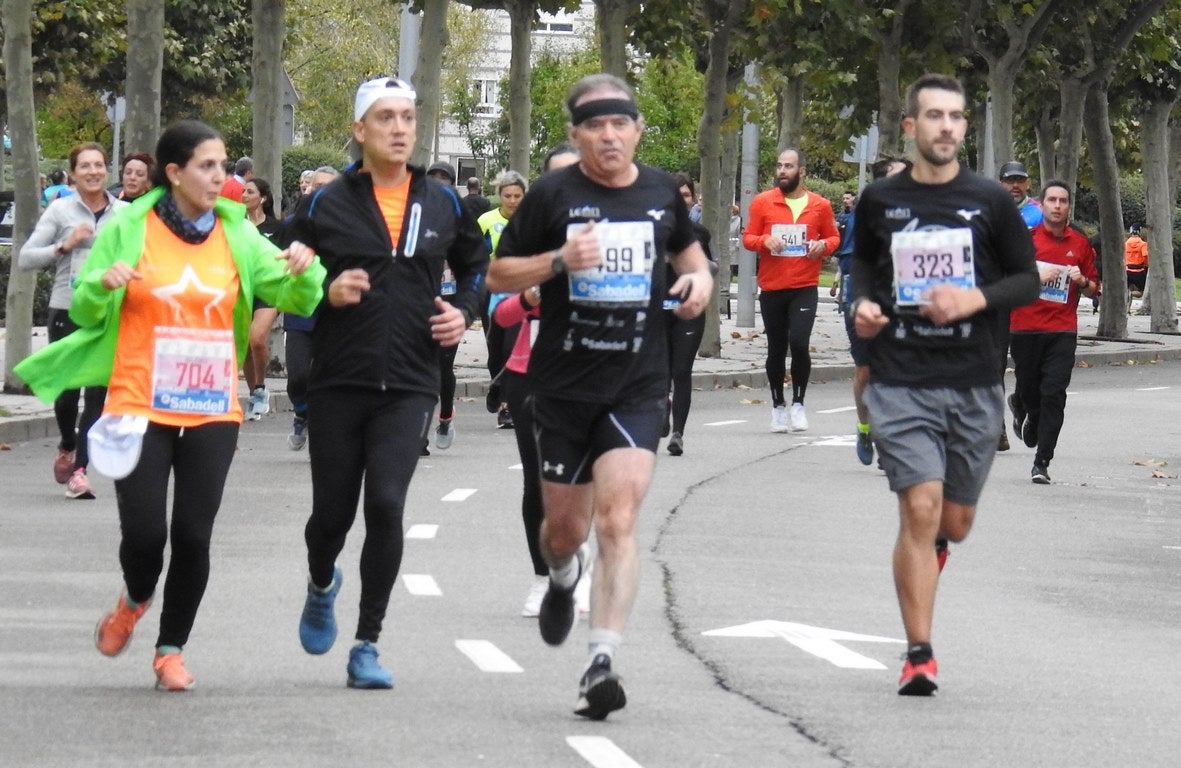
421,584
487,656
459,494
817,641
835,441
842,409
601,752
1150,389
1167,546
724,423
422,531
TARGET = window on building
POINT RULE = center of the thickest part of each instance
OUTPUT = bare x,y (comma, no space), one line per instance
487,93
556,27
467,167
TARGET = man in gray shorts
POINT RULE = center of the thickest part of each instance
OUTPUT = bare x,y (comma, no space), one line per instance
938,252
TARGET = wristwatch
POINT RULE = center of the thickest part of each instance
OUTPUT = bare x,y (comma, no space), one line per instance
558,265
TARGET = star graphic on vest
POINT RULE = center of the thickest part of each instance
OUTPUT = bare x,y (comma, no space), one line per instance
188,281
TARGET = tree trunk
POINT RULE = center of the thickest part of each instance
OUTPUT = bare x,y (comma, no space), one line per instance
520,105
1000,88
433,40
791,112
1070,129
711,340
269,21
22,130
145,65
1113,308
610,22
889,95
717,190
1044,131
889,100
1154,146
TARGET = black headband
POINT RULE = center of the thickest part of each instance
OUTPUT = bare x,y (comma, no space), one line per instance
599,107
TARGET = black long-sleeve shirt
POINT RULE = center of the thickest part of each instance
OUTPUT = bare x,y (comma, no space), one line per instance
912,350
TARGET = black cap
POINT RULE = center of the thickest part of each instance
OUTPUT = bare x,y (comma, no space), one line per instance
444,168
1014,168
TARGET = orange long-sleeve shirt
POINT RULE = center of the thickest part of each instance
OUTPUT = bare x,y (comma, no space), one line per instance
777,272
1136,254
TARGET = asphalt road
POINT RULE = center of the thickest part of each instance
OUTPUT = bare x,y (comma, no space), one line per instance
1057,628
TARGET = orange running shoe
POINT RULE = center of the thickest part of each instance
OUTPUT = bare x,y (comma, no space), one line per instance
114,630
171,674
918,679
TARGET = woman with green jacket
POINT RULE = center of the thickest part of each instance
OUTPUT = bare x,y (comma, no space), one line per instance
163,304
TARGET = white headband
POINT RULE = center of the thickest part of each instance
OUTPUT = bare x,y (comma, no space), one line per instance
380,88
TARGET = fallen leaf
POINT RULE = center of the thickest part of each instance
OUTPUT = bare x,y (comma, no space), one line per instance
5,447
1084,364
752,401
1162,475
1150,463
735,335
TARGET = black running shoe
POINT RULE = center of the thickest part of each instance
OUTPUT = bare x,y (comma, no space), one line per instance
1018,415
492,398
1040,474
557,615
1003,443
1029,433
600,692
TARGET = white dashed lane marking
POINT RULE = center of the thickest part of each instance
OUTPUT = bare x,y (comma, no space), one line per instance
459,494
601,752
724,423
1150,389
487,657
842,409
421,584
422,531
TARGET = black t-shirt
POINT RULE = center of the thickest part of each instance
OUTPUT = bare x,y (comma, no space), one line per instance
992,240
606,342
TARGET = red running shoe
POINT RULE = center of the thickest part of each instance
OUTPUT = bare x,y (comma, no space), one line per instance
918,679
941,553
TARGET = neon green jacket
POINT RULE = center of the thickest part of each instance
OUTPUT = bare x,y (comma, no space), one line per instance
85,357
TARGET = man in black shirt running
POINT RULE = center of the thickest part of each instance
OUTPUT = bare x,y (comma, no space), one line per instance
938,252
595,236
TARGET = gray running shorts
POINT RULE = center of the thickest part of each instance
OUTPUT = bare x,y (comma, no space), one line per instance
936,433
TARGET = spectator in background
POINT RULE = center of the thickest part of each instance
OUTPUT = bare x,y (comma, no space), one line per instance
57,187
135,176
1136,262
475,202
62,239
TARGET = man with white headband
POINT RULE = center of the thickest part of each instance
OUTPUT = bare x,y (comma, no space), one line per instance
596,236
385,232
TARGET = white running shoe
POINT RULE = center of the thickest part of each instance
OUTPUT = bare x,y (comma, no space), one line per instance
779,418
533,599
799,418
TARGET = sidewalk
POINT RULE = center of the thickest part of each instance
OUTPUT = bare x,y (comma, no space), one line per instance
741,363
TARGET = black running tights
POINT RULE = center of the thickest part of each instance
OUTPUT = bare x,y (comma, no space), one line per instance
370,437
198,459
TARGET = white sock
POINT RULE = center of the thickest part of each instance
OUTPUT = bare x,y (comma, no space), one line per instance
566,576
602,641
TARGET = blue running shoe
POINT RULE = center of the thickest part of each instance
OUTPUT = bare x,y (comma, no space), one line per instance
864,448
317,625
364,671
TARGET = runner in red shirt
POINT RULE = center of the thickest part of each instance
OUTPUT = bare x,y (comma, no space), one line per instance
1045,332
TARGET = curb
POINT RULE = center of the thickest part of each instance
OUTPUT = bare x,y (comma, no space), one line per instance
21,429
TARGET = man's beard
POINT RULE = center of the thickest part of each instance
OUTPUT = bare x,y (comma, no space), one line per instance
787,186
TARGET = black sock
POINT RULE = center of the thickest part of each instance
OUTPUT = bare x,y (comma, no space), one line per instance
919,653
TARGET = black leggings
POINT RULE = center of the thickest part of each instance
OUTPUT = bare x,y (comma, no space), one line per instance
516,390
370,436
65,407
788,317
684,339
447,381
198,458
298,346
